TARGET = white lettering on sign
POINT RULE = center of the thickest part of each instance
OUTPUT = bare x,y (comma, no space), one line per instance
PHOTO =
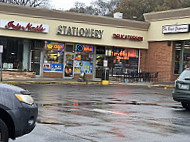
23,26
80,32
175,29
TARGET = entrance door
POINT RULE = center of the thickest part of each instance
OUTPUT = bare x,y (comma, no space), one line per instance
68,66
99,66
35,61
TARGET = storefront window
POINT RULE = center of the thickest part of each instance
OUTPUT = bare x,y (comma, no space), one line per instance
182,56
178,52
53,57
83,59
12,54
186,55
122,60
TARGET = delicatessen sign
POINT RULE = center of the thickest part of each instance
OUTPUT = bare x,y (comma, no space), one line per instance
24,26
128,37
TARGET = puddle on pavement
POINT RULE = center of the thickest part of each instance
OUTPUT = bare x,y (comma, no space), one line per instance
56,122
88,109
97,103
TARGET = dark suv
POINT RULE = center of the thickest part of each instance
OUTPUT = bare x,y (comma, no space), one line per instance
18,112
181,92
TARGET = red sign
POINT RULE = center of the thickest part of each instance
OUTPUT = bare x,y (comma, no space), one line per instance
28,27
128,37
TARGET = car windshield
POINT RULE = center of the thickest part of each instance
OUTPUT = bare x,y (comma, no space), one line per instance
185,75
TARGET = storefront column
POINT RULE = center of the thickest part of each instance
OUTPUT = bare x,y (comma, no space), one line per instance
181,59
26,55
94,64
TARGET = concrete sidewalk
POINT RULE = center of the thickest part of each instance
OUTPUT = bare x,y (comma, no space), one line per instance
91,82
53,81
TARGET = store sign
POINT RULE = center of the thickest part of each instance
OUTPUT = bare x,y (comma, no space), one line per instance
84,48
54,46
1,49
53,67
175,29
128,37
80,32
105,63
23,26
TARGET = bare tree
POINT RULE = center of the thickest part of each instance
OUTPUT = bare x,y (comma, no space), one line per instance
30,3
98,7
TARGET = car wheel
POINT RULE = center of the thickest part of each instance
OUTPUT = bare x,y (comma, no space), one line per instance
185,105
3,132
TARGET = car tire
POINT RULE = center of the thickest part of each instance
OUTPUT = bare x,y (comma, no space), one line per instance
4,134
185,105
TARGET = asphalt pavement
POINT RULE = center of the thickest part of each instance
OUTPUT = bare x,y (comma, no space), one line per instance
96,113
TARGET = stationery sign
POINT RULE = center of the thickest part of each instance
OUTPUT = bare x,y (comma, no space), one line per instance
172,29
24,26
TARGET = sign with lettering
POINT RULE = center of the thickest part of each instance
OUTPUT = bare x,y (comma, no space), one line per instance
83,67
175,29
53,67
54,46
80,32
23,26
128,37
1,48
84,48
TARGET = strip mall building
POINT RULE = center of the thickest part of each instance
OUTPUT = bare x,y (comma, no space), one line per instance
63,45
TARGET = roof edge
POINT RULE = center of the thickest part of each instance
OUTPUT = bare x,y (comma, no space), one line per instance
69,16
168,14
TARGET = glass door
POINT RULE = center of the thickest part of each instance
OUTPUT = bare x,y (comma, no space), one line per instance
69,61
35,61
68,68
99,66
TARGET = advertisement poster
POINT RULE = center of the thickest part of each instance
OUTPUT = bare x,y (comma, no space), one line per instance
53,67
83,66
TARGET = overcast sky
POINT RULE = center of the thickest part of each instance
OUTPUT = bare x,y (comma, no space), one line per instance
67,4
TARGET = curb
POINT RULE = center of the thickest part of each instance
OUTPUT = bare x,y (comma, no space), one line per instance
161,85
56,82
81,83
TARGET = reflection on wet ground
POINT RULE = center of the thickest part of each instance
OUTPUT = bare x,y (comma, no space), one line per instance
113,113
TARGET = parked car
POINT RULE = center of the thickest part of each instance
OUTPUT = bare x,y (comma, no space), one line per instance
18,112
181,92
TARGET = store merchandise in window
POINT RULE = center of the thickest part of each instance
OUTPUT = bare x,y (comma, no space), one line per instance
186,55
182,56
122,60
53,57
12,54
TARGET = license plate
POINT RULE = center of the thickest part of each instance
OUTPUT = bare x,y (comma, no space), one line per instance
184,86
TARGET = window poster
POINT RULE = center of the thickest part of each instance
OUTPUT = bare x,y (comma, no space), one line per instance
83,66
53,67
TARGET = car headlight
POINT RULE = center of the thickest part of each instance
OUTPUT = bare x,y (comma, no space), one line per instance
25,98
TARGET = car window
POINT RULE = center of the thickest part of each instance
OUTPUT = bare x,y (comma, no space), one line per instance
185,75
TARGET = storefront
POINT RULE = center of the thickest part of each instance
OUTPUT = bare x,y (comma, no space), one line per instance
64,45
169,43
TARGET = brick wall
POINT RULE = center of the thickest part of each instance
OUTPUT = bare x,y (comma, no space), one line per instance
159,58
60,75
88,76
52,75
18,75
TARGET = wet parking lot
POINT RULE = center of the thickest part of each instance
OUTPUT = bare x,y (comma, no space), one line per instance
93,113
